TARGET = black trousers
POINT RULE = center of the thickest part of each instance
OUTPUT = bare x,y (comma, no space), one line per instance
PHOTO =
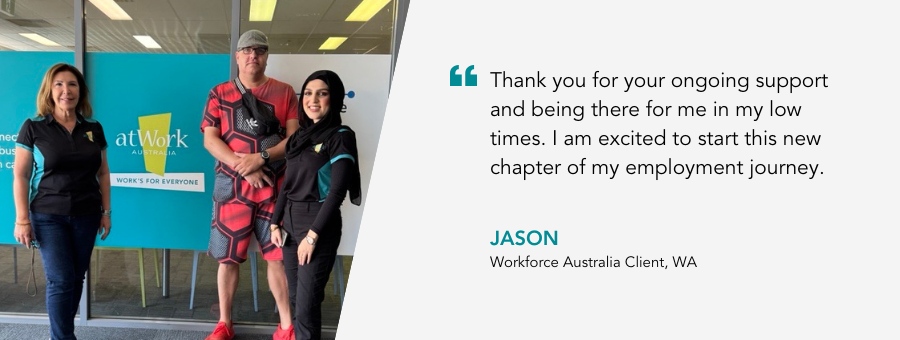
306,284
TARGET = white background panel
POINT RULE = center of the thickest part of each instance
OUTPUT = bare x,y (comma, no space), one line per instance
368,77
779,256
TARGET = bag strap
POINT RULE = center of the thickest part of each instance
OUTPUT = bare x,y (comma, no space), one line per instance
244,93
240,87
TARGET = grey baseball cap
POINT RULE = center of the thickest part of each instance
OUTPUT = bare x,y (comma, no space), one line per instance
253,38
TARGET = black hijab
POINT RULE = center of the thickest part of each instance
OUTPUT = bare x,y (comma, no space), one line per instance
311,133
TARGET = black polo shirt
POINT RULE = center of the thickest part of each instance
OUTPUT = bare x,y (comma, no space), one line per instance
64,181
316,175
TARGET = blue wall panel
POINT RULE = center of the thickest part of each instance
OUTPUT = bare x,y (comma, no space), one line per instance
22,74
129,86
149,104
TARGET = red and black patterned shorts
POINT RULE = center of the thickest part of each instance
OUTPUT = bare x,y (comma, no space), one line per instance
232,225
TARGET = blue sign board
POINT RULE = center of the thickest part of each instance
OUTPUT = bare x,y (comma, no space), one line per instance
150,106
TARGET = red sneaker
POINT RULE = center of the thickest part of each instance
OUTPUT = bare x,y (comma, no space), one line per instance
222,332
284,334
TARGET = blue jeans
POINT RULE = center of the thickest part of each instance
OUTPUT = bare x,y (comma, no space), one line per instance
66,244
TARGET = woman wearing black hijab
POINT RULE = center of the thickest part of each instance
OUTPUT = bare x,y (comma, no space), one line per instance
322,167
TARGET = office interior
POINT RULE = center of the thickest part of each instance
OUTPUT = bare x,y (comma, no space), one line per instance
169,288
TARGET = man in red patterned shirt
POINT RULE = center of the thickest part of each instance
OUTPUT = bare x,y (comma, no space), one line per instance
244,127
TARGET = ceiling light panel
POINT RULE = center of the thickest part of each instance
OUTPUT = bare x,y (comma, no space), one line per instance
40,39
262,10
332,43
366,10
111,9
147,41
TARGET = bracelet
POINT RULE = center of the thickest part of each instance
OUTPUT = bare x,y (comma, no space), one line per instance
106,213
21,223
274,229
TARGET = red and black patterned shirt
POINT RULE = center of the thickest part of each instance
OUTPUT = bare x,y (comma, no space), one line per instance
225,111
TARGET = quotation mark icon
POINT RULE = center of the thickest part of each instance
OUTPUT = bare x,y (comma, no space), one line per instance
456,79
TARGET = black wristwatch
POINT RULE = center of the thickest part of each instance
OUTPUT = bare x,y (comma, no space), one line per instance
265,156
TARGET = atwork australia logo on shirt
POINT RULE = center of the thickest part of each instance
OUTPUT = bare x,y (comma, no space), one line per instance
154,144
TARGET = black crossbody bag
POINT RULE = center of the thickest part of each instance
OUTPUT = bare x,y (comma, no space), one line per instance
266,123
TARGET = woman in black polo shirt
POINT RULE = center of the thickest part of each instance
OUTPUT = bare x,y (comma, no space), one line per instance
61,190
322,167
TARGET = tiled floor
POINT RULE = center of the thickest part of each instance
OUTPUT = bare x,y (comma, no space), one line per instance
117,293
18,331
